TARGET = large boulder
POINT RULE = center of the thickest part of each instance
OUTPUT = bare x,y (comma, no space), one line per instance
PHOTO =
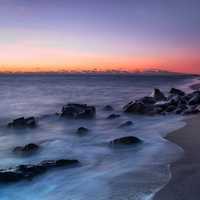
176,92
78,111
22,122
29,148
134,107
126,141
138,107
158,95
27,172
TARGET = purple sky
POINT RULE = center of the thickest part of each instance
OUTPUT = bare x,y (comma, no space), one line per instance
98,33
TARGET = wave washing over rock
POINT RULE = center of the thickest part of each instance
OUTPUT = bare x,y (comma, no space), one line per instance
120,155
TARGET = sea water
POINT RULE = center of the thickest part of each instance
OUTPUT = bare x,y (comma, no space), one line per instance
129,173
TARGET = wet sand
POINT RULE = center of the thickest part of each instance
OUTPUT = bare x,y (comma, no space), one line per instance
185,181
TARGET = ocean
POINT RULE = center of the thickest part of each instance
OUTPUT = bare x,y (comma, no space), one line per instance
129,173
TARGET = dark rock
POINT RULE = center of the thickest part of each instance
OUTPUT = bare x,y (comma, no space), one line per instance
108,108
113,116
191,95
179,111
29,148
58,163
138,107
177,102
177,92
27,172
181,108
195,99
171,104
125,124
158,95
162,104
23,123
191,111
174,100
10,176
77,111
134,107
82,130
170,108
126,140
148,100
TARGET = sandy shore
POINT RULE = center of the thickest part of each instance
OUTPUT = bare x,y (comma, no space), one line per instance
185,181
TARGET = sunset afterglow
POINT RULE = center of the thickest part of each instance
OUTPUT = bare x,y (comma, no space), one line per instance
99,35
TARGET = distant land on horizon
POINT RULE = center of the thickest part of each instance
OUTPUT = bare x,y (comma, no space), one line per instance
153,71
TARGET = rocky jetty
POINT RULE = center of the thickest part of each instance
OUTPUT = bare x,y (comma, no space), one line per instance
29,148
78,111
27,172
126,141
176,101
22,122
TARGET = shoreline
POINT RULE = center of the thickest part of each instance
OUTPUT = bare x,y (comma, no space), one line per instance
185,172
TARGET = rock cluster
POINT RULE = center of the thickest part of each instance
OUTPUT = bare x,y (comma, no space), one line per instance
176,102
22,122
78,111
27,172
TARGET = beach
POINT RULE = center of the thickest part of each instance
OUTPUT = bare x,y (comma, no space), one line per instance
185,180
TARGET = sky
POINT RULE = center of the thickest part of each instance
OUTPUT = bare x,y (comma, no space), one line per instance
54,35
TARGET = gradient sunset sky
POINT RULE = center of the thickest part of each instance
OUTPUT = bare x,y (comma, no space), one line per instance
50,35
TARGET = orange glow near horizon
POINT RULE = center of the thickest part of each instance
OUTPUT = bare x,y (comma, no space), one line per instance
16,58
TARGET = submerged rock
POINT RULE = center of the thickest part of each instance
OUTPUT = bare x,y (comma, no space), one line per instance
22,122
126,140
108,108
27,172
78,111
125,124
158,95
29,148
82,130
113,116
